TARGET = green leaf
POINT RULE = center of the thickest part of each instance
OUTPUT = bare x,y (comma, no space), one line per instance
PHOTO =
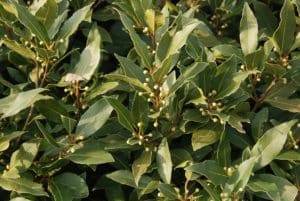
103,88
264,189
131,69
59,193
30,22
187,75
149,188
255,60
168,191
140,165
171,44
71,24
54,28
265,17
125,117
94,118
150,19
227,80
226,50
90,154
258,122
90,56
19,199
270,144
289,155
19,48
51,109
194,47
166,67
129,80
14,103
291,105
22,158
211,170
224,149
212,192
287,191
248,30
46,134
125,177
67,187
5,139
22,185
283,37
240,177
205,136
114,192
47,13
164,161
139,44
68,123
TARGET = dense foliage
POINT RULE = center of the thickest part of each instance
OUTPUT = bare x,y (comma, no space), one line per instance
149,100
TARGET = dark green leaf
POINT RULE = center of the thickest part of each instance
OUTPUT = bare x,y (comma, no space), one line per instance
31,22
283,37
46,134
211,170
124,115
90,154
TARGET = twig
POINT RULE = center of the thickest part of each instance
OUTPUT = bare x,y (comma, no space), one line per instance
260,101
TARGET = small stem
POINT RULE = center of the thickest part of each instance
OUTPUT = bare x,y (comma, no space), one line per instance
260,101
37,74
45,74
28,118
186,190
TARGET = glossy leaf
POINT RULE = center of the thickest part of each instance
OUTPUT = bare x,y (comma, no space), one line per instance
19,48
164,161
270,144
124,115
187,75
286,190
90,56
22,185
68,123
240,177
46,134
90,154
211,170
94,118
139,44
140,165
283,37
168,191
47,13
5,139
15,103
22,158
31,22
248,31
68,186
206,136
71,24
